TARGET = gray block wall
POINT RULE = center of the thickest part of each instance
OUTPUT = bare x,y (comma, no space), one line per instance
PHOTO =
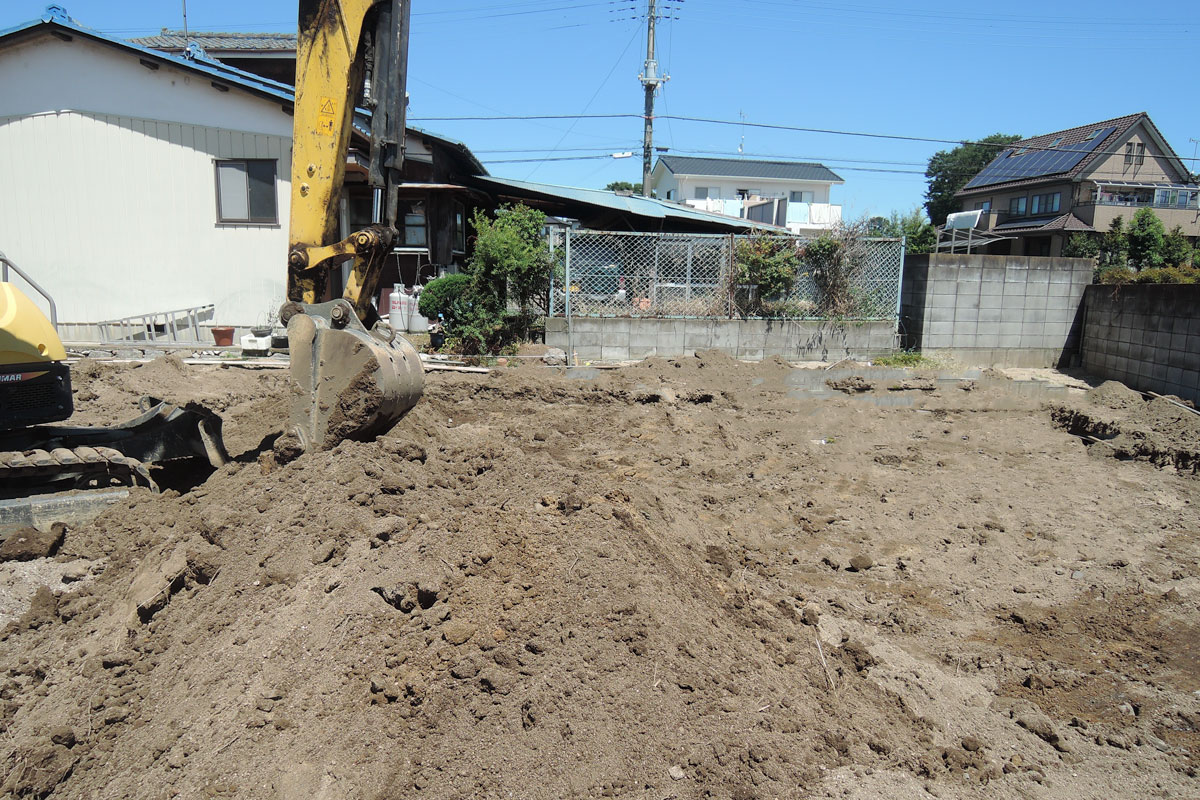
1147,337
1015,311
624,339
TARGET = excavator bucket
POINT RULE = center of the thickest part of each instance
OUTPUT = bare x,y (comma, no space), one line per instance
346,382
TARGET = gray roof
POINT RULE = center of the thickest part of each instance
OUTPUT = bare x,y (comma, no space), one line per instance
749,168
223,42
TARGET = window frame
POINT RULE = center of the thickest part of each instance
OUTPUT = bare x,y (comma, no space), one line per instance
458,242
264,222
1021,203
403,226
1040,203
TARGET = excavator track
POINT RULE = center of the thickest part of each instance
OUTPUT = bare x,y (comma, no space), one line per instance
86,467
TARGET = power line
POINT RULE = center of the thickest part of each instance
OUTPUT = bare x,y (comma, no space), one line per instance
768,126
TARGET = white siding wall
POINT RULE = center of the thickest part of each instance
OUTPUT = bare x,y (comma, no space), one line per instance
109,198
117,216
767,188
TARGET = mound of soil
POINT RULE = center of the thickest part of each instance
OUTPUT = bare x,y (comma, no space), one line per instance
672,580
1124,424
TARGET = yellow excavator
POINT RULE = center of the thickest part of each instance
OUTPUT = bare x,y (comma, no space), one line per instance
352,377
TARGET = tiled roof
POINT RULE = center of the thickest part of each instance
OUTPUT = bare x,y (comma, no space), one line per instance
215,41
1066,139
1065,222
749,168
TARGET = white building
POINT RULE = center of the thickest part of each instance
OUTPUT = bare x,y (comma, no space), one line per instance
137,181
797,194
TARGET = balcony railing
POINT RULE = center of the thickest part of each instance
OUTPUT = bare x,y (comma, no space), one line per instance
799,214
1183,199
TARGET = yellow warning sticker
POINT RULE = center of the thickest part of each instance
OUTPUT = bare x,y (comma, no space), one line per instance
325,117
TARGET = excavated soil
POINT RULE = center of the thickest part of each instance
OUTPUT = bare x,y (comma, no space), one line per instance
685,579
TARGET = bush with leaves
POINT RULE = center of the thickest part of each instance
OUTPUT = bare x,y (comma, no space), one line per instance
510,261
1176,251
1146,236
1081,245
1120,276
1114,245
919,234
446,296
765,270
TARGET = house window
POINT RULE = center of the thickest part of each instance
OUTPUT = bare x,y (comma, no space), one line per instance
246,191
1046,203
1135,154
707,193
801,197
1093,134
1016,207
1056,142
1178,198
460,228
983,205
412,212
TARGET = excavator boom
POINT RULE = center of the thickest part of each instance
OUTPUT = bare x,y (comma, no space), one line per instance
352,376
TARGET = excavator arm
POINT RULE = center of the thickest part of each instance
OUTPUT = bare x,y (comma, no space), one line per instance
352,376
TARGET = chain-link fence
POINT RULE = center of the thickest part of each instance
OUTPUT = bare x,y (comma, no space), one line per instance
725,276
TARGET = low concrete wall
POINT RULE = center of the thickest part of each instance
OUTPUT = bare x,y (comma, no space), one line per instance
623,339
1147,337
1012,311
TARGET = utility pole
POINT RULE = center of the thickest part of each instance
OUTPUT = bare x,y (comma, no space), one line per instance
650,81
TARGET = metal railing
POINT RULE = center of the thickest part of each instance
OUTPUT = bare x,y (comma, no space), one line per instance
6,265
703,276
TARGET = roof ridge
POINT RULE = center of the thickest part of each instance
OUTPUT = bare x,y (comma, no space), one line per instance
1127,118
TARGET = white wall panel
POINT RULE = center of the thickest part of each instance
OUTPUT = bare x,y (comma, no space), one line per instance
116,216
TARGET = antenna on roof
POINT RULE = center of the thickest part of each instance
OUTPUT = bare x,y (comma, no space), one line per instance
186,38
742,143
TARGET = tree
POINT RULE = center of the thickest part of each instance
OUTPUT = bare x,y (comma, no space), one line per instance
949,171
919,234
1176,250
1146,236
624,186
1114,244
1081,245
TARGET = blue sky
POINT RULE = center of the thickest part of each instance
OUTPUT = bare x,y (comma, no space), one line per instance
920,68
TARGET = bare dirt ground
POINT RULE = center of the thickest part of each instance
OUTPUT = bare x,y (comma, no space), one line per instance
682,579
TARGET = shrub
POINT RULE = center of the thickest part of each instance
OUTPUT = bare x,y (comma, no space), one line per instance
1146,236
1081,245
768,263
445,296
1176,250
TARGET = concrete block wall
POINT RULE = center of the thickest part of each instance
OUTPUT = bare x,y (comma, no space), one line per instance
624,338
1015,311
1147,337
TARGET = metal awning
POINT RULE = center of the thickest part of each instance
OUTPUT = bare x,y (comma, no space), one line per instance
1140,185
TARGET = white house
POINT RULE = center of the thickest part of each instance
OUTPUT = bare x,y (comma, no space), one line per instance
798,193
137,181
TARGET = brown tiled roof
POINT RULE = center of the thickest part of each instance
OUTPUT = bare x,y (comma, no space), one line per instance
1065,222
215,41
1070,136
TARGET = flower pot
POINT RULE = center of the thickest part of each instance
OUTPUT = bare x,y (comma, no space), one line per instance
223,336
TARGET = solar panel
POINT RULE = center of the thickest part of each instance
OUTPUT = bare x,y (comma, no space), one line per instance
1036,163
